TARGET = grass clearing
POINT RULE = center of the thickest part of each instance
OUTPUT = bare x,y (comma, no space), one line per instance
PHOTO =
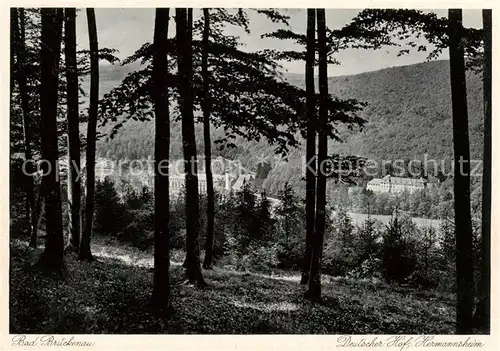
112,296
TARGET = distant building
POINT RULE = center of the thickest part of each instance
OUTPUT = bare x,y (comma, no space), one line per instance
227,175
222,183
396,185
178,181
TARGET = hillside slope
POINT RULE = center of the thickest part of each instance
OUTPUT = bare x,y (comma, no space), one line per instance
408,114
112,295
409,111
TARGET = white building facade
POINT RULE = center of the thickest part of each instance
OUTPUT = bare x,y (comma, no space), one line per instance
396,185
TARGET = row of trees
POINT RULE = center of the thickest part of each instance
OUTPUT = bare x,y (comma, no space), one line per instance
47,68
379,28
251,235
449,33
314,239
234,94
434,203
241,92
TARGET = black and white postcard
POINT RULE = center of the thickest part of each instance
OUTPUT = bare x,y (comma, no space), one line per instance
321,172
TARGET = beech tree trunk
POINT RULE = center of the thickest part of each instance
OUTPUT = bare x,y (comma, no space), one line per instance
483,310
74,176
310,143
463,223
51,36
314,291
85,253
14,28
19,33
209,242
161,279
184,22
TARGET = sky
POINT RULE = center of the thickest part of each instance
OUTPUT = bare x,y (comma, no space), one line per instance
127,29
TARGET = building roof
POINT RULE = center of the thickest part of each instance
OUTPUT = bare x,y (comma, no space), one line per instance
407,181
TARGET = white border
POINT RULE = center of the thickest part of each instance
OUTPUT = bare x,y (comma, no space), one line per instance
233,342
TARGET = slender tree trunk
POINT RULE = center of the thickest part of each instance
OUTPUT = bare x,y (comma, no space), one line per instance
14,28
20,40
85,253
483,310
161,279
183,19
463,224
38,213
209,242
52,256
40,207
310,143
36,203
314,292
74,190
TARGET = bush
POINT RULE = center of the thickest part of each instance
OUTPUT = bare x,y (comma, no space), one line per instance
447,279
424,279
290,218
259,259
340,255
290,254
110,213
398,250
177,255
338,260
369,268
368,240
139,232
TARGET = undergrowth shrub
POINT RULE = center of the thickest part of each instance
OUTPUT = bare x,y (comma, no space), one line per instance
340,255
369,268
110,212
252,235
258,259
398,250
290,229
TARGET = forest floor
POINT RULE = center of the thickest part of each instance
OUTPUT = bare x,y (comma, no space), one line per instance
112,295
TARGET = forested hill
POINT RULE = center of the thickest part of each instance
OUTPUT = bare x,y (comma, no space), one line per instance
408,114
409,111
